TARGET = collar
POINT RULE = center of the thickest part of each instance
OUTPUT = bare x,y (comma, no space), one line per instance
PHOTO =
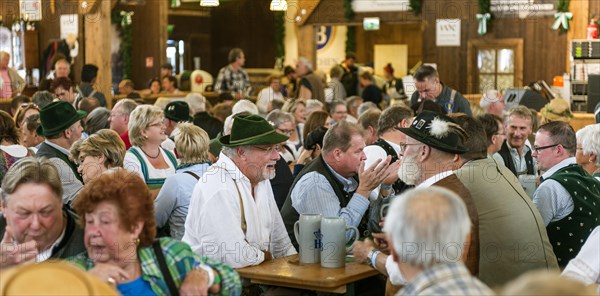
59,148
442,94
436,274
46,254
558,166
394,145
225,163
526,148
349,184
435,178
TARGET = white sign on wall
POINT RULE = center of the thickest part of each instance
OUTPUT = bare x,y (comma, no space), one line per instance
331,46
31,10
69,24
447,32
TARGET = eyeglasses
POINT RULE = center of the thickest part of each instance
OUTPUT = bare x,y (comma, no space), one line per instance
286,131
538,149
269,149
160,123
403,146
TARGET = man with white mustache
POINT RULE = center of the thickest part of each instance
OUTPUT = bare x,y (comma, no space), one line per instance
232,215
429,155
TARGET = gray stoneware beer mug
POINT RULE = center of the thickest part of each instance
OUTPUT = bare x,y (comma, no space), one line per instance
334,250
308,235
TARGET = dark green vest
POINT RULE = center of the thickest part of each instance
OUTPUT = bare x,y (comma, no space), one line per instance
568,234
51,152
290,215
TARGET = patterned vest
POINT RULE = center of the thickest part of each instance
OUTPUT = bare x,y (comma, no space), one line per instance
568,234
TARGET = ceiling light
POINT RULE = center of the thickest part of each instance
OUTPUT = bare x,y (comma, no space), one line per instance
278,5
209,3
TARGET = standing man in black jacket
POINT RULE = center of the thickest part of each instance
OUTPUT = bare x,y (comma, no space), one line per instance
514,151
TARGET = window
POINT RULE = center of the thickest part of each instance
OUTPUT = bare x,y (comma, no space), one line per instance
494,64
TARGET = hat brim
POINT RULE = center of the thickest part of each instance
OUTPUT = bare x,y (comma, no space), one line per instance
268,139
433,142
188,119
41,132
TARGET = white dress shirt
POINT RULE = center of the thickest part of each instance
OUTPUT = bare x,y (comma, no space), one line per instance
213,225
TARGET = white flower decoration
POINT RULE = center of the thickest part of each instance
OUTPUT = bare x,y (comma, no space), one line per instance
439,128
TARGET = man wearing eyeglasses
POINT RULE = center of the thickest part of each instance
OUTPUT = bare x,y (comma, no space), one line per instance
568,198
232,215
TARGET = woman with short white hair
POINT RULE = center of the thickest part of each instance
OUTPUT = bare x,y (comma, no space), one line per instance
588,149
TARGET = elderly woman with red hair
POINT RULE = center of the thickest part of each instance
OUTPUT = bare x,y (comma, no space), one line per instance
117,212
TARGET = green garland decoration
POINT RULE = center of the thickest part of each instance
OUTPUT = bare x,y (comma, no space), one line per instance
562,16
416,6
484,16
279,34
123,21
351,33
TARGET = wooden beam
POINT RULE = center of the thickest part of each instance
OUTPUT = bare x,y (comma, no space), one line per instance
189,12
97,49
307,43
308,7
577,25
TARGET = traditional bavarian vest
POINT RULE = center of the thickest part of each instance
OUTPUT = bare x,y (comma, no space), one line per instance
290,215
568,234
152,183
398,186
51,152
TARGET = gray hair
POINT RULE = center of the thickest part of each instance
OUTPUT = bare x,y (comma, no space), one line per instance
313,105
589,138
31,170
127,106
244,106
277,118
306,62
42,98
197,102
97,120
423,220
366,106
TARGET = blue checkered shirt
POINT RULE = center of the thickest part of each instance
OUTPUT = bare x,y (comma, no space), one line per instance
446,279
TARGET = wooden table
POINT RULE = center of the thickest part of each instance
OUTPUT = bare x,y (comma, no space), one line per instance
287,272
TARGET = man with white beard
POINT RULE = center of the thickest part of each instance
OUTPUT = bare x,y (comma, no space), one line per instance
232,215
429,155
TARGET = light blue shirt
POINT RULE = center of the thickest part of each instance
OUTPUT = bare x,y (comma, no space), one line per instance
171,204
552,200
313,194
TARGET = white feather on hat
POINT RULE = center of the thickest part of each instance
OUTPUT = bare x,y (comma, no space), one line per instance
439,128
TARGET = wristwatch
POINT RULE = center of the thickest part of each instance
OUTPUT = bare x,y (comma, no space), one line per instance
373,258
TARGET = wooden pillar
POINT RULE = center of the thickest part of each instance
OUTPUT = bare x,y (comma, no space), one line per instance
97,45
307,43
577,25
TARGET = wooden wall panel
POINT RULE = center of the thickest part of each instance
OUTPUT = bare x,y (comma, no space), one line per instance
195,32
543,53
149,40
409,34
247,24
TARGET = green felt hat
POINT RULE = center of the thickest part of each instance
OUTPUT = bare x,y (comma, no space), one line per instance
252,130
57,117
178,111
